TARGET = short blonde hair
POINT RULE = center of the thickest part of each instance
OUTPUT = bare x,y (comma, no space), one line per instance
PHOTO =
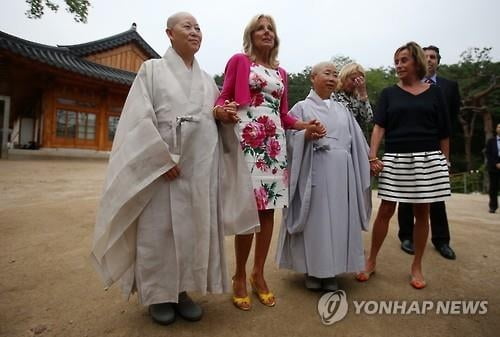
418,55
348,70
248,47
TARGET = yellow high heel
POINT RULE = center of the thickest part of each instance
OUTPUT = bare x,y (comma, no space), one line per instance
267,299
242,303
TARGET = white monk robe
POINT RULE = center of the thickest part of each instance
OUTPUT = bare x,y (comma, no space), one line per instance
329,193
163,237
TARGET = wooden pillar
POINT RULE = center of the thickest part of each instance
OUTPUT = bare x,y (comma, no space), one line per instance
102,123
48,116
5,115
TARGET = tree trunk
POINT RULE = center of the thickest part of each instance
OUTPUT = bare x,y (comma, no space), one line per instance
468,128
468,155
487,125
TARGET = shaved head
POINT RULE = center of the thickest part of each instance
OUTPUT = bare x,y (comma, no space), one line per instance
175,18
185,35
324,79
319,66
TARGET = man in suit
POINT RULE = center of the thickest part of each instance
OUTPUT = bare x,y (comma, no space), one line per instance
439,220
493,163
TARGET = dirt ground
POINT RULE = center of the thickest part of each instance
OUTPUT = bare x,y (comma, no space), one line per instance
48,288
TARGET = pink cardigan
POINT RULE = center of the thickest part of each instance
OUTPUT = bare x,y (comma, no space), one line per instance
236,87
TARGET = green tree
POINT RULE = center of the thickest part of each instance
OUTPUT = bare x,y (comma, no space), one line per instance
219,80
376,80
299,85
341,60
79,8
478,78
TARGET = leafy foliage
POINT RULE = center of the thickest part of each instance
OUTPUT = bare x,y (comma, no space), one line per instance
341,60
219,80
478,79
299,85
376,80
78,8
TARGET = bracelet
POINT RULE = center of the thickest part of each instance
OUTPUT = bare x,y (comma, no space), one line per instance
372,159
214,111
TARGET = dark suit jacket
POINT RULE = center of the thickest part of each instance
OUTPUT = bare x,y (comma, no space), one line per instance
452,99
492,157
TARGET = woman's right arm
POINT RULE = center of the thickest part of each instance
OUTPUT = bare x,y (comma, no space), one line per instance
378,132
377,136
376,164
225,107
380,121
229,85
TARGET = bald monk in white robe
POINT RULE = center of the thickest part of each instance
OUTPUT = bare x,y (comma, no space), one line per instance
165,208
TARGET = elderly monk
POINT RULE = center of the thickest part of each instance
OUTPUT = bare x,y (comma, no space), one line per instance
329,189
161,223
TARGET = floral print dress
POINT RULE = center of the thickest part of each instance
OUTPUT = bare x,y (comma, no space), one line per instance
361,110
262,138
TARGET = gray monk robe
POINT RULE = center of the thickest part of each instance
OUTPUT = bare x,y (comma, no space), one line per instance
330,201
163,237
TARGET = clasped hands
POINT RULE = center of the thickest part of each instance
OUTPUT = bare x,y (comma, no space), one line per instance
173,173
226,113
314,130
376,165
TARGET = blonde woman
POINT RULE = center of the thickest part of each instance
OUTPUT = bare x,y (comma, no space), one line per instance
254,95
351,91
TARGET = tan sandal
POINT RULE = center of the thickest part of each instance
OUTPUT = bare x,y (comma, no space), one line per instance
364,275
416,283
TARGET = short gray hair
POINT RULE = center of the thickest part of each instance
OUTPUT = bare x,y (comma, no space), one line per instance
319,66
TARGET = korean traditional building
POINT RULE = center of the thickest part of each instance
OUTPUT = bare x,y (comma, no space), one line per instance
67,96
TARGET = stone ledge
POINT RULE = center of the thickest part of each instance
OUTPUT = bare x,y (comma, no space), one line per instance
57,153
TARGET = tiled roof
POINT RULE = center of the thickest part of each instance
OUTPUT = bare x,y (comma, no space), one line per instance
70,57
111,42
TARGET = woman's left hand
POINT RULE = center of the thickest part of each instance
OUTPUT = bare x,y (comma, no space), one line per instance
316,129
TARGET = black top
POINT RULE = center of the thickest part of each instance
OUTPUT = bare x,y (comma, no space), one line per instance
412,123
492,157
452,99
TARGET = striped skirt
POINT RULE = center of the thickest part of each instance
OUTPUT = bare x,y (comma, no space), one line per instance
419,177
